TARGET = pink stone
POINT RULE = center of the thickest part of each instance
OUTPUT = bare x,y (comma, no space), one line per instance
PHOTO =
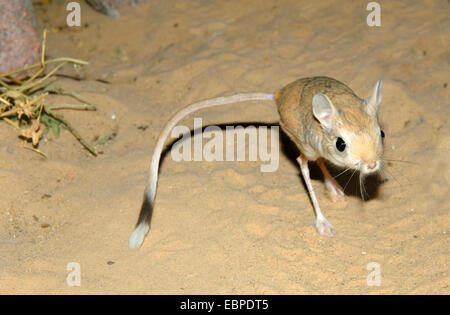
19,40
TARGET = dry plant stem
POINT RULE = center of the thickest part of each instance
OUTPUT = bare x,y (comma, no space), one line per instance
15,110
36,150
5,85
34,76
5,102
24,90
38,98
40,112
29,86
42,69
77,96
16,81
36,65
9,121
9,113
73,106
21,94
73,131
44,41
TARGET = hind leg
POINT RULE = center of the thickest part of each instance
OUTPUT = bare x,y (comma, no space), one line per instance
336,191
321,223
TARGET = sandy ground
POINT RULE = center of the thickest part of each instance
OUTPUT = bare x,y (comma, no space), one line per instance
226,227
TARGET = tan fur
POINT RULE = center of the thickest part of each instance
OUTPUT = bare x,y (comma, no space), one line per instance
297,120
300,104
315,128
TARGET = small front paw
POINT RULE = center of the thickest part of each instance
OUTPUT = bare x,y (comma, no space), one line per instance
325,228
336,191
337,196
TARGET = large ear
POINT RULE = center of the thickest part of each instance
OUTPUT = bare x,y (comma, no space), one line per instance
374,101
323,109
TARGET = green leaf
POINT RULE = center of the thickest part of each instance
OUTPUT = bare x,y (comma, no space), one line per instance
104,140
55,129
51,123
52,89
45,120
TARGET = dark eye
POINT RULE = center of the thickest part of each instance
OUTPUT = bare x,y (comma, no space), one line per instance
340,144
382,134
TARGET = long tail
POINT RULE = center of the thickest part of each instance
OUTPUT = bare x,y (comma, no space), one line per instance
143,224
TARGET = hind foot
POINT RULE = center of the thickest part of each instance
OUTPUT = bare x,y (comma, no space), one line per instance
324,227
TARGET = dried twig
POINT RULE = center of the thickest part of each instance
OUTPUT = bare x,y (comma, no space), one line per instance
72,106
24,98
72,130
51,61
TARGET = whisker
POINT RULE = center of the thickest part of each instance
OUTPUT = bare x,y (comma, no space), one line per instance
390,174
386,175
350,179
403,161
362,189
341,172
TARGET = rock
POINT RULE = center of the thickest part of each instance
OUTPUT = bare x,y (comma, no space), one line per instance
19,36
108,6
19,39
